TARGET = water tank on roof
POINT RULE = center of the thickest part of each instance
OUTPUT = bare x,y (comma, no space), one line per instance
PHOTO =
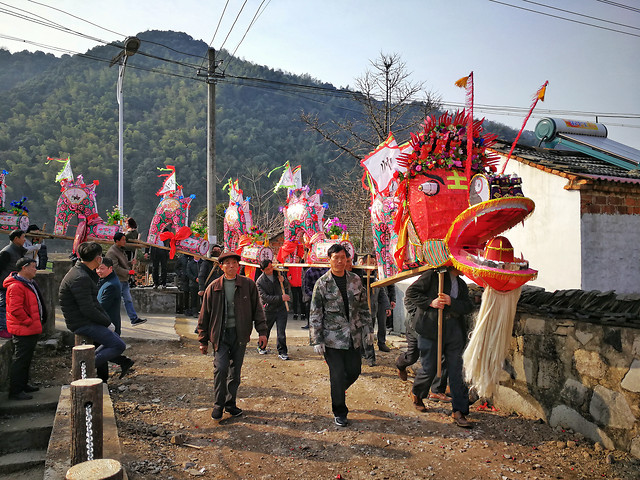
548,128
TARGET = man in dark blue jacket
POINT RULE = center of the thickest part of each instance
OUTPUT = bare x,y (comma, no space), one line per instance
109,292
82,312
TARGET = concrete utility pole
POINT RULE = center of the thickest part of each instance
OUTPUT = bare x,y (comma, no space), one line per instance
211,149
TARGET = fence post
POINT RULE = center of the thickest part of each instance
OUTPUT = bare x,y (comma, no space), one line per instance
83,354
86,420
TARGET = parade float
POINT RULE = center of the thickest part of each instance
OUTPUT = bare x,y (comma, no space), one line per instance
172,214
451,207
17,214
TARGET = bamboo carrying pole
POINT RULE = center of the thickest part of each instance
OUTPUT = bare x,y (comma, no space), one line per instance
86,392
286,304
80,354
440,316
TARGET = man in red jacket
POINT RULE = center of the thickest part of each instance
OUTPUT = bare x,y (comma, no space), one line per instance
25,313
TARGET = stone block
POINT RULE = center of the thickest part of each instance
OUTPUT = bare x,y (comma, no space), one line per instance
574,393
523,367
636,347
589,363
610,408
547,374
635,447
583,337
631,380
509,399
563,331
534,326
569,418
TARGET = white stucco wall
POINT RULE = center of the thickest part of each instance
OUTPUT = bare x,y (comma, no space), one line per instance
611,253
551,237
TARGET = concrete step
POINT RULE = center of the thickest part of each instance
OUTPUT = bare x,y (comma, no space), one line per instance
26,462
46,399
27,431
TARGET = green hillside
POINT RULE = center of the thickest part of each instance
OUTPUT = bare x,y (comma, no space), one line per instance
59,107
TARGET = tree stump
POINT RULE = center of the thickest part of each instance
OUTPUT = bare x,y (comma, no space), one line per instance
86,392
102,469
80,354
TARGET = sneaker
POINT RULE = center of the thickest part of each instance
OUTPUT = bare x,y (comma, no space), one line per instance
216,413
341,421
155,287
126,367
233,411
262,351
283,356
371,362
5,334
30,388
305,327
138,321
20,396
295,316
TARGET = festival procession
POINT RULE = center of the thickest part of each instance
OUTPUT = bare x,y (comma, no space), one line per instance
432,329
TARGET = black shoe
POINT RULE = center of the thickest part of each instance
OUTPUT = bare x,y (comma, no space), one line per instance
341,421
383,347
126,367
371,362
30,388
216,413
138,321
295,316
188,313
20,396
305,327
233,411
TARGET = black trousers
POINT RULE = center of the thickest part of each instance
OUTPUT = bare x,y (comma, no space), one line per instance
279,318
411,356
227,366
159,270
298,308
23,348
344,370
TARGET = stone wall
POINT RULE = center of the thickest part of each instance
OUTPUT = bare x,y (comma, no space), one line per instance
578,375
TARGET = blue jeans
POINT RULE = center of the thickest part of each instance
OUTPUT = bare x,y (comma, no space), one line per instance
111,346
452,345
128,301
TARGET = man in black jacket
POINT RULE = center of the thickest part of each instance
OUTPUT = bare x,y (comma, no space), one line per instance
423,302
274,290
82,312
9,255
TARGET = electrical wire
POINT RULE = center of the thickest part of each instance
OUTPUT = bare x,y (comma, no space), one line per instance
580,14
253,20
619,5
76,17
233,25
565,18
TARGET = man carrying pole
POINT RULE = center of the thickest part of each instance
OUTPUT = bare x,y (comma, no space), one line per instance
433,301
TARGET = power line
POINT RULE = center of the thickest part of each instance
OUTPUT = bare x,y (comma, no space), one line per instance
233,25
205,56
565,18
619,5
76,17
580,14
257,14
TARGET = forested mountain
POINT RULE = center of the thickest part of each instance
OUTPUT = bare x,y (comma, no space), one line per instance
59,107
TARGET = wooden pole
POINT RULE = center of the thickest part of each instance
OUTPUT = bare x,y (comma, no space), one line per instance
286,304
102,469
440,312
369,290
83,354
87,392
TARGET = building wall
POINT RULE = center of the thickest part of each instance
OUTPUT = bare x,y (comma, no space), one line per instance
550,239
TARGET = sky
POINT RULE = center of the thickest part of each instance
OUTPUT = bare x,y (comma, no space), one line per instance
591,71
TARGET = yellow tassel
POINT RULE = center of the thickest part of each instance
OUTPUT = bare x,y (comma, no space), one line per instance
462,83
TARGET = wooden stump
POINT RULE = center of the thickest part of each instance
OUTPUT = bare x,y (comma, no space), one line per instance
86,392
103,469
80,354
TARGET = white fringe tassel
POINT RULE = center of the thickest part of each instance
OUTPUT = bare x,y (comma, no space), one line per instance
490,340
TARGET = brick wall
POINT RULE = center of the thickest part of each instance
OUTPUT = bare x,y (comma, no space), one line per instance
622,202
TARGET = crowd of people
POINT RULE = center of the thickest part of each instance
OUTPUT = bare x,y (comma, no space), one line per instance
340,308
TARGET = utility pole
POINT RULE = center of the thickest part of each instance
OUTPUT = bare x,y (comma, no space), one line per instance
211,149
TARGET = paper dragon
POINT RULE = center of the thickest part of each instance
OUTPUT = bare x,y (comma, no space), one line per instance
437,201
173,212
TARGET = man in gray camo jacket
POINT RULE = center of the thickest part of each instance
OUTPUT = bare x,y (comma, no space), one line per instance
340,327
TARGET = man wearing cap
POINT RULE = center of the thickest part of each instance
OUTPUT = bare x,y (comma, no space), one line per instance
122,266
231,307
9,255
274,292
26,311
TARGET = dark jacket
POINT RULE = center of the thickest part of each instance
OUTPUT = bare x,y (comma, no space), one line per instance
182,282
109,292
25,315
424,318
248,311
9,255
192,273
309,280
271,292
204,279
79,298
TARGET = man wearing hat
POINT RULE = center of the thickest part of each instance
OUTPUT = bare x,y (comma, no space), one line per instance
26,311
231,308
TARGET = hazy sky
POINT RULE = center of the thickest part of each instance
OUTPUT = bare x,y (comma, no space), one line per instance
512,52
